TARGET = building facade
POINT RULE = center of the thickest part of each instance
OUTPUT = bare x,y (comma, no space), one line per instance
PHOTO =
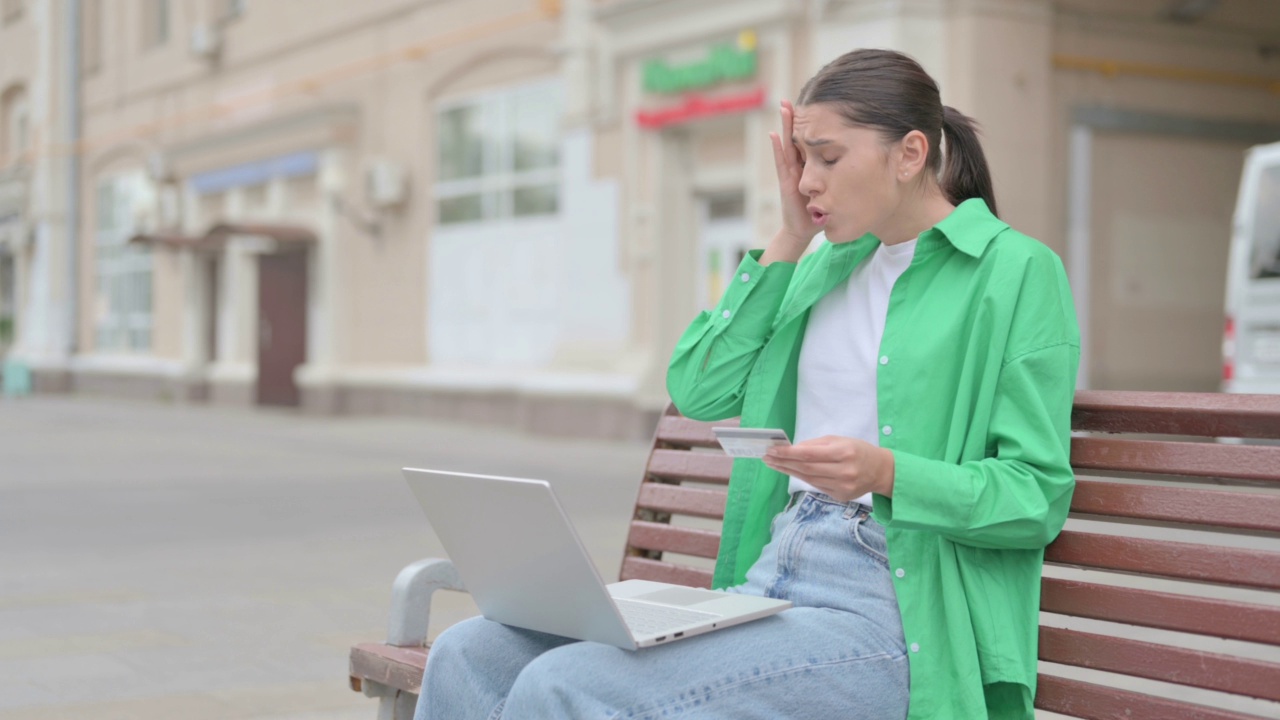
507,211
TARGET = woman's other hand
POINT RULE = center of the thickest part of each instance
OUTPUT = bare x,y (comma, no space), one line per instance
844,468
798,227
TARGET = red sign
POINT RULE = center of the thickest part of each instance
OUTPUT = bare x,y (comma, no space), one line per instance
697,106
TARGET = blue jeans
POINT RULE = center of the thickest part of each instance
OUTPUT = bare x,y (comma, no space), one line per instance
838,653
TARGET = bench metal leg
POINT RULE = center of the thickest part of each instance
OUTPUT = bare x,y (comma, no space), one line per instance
393,704
411,599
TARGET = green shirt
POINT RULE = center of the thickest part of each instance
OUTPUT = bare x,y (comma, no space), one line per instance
974,392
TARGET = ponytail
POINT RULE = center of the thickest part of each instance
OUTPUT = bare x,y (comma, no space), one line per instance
889,91
964,166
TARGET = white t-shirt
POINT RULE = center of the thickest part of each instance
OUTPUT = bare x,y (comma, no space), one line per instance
840,354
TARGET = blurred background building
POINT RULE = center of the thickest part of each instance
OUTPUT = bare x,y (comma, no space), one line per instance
506,211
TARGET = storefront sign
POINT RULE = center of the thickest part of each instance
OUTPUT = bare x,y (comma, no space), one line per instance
697,106
725,62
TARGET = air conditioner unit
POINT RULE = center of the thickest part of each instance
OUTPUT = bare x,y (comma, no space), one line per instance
206,40
145,206
385,183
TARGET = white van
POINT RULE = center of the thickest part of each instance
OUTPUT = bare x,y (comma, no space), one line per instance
1251,339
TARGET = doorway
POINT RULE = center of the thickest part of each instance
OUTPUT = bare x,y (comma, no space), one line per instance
725,239
1160,230
282,326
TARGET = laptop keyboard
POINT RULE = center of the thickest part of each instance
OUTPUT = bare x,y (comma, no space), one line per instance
646,618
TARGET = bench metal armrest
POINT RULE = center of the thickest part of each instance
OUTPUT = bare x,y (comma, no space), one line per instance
411,599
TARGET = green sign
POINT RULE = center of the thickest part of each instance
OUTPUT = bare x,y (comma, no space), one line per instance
725,62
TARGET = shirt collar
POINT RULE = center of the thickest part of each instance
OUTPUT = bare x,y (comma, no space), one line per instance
970,227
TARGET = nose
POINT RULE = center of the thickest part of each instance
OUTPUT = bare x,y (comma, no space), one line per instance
809,185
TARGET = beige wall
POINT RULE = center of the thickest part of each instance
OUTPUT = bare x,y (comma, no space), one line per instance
1169,49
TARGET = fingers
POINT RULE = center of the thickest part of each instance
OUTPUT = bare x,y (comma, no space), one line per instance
818,474
823,449
779,162
791,152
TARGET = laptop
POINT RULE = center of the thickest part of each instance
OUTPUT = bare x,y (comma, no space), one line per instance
523,563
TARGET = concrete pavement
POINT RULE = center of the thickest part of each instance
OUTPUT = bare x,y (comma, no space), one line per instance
209,563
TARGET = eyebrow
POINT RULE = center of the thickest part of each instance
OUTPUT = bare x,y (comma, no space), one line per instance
811,143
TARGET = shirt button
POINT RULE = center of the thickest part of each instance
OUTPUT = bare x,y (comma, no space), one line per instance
726,314
884,359
746,277
915,647
887,429
900,572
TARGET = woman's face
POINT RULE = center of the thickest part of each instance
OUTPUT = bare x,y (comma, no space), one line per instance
850,174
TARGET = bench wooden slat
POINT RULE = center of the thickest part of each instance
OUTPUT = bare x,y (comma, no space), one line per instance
1188,459
678,500
685,465
392,666
1196,668
1167,611
1099,702
638,568
683,432
1219,508
1201,414
662,537
1188,561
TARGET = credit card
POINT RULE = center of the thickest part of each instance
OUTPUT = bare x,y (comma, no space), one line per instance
750,442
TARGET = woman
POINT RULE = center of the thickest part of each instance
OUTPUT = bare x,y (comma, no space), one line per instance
924,360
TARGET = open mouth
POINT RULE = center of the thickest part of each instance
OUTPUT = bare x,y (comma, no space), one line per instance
819,217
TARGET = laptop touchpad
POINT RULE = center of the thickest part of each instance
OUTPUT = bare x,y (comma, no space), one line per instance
681,596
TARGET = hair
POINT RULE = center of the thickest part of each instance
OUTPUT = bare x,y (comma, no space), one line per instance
890,92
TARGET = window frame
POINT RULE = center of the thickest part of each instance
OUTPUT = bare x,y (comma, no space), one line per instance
15,125
124,277
499,180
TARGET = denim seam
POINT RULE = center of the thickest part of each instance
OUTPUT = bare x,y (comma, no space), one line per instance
857,537
790,541
757,678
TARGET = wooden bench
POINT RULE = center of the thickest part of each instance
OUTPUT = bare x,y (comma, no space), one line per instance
1179,533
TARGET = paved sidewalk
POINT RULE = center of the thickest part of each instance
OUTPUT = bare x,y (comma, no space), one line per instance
207,563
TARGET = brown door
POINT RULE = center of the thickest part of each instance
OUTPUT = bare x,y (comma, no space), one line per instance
282,326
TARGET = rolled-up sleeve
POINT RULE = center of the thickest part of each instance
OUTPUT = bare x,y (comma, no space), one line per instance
713,357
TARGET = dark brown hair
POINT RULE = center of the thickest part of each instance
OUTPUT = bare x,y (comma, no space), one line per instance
889,92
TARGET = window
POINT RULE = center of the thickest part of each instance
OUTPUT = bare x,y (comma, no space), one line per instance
155,23
1264,260
7,293
499,156
122,298
15,125
91,36
19,131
